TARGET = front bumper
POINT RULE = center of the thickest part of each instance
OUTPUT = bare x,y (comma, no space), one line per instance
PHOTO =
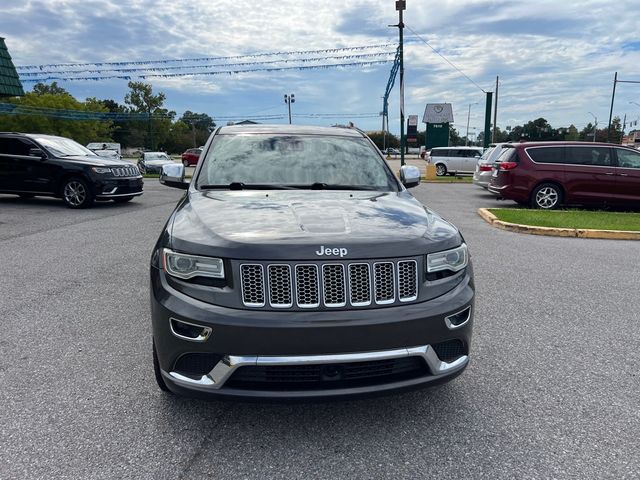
118,187
482,179
241,338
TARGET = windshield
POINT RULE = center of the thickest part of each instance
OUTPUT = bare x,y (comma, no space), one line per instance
64,147
156,156
295,160
106,153
487,154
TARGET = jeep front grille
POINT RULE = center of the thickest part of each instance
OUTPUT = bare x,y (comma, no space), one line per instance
330,285
131,171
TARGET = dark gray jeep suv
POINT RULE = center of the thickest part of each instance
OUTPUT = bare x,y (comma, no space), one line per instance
297,266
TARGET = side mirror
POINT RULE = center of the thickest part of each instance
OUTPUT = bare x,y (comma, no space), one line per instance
37,152
409,176
172,175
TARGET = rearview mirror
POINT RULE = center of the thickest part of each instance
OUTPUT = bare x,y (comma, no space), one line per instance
172,175
409,176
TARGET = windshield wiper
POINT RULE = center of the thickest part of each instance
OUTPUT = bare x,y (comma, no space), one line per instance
245,186
333,186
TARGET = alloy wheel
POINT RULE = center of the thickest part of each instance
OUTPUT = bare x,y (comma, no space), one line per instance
75,193
441,170
547,197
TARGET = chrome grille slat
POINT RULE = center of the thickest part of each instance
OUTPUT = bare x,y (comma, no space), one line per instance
307,286
407,280
359,284
385,291
280,286
252,284
331,285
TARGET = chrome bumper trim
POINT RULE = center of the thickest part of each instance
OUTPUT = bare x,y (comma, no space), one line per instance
223,370
134,194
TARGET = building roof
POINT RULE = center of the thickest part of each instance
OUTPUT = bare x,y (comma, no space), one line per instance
10,85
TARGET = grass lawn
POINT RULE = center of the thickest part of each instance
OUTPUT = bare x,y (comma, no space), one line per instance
570,218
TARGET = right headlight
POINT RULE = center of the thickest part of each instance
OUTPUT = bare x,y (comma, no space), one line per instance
454,260
186,266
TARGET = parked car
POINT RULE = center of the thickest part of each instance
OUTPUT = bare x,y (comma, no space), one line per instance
484,166
34,164
93,146
297,265
551,174
452,160
392,151
112,154
152,162
191,156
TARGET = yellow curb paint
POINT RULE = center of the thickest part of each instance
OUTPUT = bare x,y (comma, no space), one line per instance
491,219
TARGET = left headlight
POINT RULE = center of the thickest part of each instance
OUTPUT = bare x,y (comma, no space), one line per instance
101,169
454,260
186,266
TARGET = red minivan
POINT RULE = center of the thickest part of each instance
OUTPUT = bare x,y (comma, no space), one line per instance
550,174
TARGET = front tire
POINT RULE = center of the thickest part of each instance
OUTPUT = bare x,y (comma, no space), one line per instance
547,196
76,193
441,170
185,163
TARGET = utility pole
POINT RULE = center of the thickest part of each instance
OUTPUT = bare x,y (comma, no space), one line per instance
613,96
495,112
595,128
289,99
624,125
466,140
401,5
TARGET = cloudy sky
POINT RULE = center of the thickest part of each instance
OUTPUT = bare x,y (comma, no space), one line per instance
555,59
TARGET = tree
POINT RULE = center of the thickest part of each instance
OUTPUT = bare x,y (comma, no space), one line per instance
201,126
378,139
82,131
141,99
53,89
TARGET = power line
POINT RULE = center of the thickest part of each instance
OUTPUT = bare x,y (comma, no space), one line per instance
205,59
445,59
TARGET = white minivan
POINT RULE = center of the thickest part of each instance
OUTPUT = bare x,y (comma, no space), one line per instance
452,160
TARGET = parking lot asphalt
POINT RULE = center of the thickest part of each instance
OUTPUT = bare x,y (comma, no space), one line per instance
552,391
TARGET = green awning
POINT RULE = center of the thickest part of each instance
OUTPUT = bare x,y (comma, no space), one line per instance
10,85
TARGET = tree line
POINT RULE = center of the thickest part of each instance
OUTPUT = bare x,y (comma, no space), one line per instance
538,130
151,126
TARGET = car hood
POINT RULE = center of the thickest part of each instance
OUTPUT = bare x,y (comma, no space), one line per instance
97,161
287,224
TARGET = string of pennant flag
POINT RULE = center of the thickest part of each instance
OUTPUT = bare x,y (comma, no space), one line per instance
216,65
66,77
202,59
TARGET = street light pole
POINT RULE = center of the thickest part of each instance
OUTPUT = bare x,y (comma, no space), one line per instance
595,128
289,99
466,142
401,5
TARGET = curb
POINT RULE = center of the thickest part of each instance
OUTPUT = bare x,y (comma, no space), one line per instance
492,220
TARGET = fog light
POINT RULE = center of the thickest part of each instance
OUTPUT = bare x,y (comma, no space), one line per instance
189,331
459,319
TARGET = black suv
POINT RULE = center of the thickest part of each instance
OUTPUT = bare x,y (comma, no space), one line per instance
33,164
298,266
